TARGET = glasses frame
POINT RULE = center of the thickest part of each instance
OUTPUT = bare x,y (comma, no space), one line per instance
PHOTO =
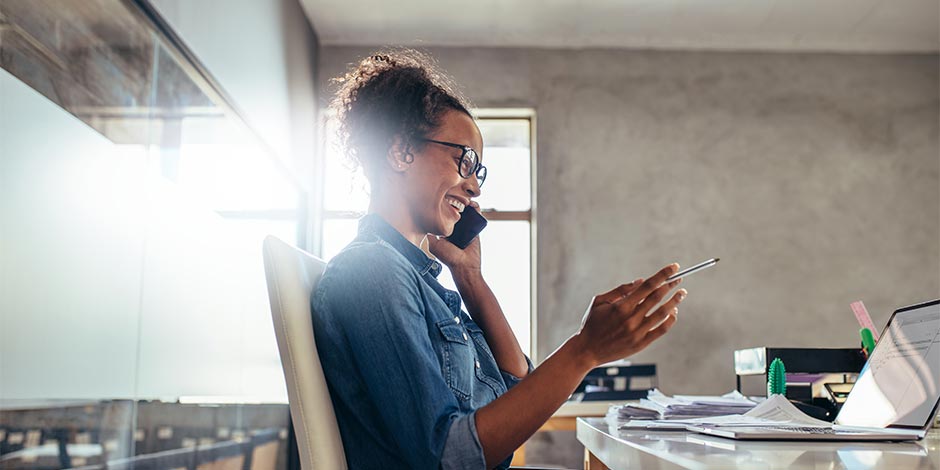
478,170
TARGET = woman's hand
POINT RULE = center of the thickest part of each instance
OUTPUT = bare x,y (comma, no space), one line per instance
465,261
623,322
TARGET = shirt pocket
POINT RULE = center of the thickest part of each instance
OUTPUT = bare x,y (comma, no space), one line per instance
486,368
458,358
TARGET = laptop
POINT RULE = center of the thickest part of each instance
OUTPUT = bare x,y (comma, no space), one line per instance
895,397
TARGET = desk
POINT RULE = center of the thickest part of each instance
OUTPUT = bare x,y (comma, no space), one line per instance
609,449
564,419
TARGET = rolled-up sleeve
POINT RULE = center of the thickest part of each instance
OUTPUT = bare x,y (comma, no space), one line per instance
385,326
462,450
511,380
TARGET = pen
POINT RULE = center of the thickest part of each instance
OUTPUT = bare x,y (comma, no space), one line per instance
693,269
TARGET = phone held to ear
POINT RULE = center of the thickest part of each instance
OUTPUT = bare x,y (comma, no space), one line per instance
470,225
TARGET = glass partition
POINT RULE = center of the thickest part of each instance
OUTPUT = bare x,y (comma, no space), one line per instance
134,319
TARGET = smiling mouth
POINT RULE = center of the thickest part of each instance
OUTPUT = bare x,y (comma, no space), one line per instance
456,204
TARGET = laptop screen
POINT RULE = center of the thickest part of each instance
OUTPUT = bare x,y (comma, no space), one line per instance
899,384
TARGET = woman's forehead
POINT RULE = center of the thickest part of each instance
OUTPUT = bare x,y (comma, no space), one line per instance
459,128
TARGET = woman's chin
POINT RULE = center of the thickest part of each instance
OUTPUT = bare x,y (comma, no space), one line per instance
448,232
447,229
446,226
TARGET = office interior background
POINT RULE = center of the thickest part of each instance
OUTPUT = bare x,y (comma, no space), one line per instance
147,147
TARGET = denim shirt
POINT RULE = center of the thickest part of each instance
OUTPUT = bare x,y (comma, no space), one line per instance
406,367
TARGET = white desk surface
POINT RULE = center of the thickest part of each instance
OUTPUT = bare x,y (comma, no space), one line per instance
571,409
685,450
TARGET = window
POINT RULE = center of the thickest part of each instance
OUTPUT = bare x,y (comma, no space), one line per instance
508,248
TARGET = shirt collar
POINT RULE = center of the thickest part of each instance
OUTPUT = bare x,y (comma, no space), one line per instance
373,224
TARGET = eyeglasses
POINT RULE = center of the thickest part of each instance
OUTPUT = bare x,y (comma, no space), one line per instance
469,161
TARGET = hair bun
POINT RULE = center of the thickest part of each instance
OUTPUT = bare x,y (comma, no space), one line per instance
389,94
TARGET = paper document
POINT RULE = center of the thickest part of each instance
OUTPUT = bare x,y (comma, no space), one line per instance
681,424
776,411
779,411
733,397
660,406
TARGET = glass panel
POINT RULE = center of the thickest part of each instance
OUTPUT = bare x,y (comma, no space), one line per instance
508,185
100,68
345,187
201,275
218,163
115,161
506,252
337,233
97,67
505,132
507,156
257,229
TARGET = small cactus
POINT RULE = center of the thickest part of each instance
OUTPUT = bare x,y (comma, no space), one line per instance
776,378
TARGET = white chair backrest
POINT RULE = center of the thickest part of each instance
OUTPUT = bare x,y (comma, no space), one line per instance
292,275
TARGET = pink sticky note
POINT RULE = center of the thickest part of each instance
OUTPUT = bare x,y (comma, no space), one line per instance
864,319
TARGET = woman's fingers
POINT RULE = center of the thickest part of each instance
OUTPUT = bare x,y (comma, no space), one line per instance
652,300
617,323
657,332
617,293
648,287
670,308
635,316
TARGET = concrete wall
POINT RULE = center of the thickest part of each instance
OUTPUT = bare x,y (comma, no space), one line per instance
813,176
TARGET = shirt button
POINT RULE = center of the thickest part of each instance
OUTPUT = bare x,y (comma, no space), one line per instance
465,338
477,364
457,320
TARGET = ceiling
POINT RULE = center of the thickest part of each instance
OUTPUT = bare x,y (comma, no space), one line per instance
785,25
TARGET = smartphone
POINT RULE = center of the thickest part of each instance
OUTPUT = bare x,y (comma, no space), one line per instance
470,225
693,269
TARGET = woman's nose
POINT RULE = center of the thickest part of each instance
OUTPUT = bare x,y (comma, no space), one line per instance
472,186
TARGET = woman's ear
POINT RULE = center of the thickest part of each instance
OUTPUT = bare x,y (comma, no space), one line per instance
399,156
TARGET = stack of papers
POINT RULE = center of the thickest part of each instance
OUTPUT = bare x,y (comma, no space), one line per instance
776,411
658,406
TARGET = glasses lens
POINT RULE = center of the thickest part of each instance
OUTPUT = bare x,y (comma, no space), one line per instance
481,175
468,162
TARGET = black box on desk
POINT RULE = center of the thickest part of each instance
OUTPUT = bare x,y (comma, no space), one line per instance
615,382
754,362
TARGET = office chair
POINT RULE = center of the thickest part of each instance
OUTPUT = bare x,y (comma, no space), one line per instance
292,275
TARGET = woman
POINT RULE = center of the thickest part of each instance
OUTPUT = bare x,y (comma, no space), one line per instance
415,381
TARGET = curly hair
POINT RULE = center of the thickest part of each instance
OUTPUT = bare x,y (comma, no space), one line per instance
399,92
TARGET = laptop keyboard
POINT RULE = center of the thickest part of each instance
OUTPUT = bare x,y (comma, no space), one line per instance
812,430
